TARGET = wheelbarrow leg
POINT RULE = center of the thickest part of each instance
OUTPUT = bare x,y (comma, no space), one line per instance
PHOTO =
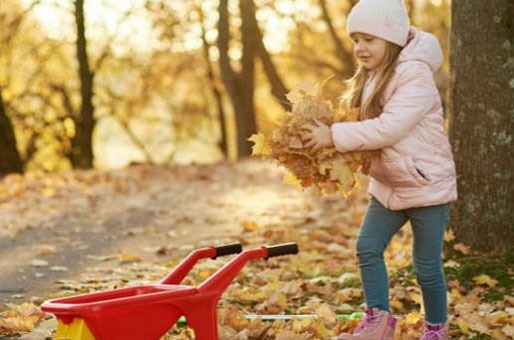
203,319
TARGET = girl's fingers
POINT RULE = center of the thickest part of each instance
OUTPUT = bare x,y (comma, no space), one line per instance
308,126
310,143
308,136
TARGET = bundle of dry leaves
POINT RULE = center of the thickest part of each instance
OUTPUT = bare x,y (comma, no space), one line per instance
326,169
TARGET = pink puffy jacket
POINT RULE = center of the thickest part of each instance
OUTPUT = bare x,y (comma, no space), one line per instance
415,167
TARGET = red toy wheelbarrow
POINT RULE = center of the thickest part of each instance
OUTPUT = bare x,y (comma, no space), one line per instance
147,312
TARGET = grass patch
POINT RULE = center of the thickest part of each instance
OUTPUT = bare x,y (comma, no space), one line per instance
499,269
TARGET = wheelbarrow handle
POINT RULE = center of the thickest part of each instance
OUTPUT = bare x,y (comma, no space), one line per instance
219,281
282,249
228,249
185,266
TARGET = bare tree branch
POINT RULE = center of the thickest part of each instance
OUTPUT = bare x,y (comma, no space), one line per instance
341,52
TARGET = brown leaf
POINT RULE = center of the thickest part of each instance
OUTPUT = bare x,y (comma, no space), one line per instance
462,248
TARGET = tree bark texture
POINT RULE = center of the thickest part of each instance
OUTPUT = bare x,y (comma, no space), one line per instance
239,85
82,149
481,122
10,160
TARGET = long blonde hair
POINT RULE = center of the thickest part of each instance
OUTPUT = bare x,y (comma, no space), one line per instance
372,107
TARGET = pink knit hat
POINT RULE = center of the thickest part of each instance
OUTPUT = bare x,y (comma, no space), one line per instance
386,19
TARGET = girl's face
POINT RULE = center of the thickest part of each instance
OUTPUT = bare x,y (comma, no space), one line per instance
369,50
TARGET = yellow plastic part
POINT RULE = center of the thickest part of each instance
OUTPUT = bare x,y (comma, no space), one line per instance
77,330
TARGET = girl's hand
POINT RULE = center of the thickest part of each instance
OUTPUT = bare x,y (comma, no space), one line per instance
319,135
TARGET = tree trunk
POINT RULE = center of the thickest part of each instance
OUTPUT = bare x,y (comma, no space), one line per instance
246,123
10,160
240,86
222,119
82,150
481,123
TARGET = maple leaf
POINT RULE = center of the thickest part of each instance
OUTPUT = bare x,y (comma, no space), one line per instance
485,280
449,236
291,179
260,146
326,169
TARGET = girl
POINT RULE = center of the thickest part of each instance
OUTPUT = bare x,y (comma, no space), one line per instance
413,178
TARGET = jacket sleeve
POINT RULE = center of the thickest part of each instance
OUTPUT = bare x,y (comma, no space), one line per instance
411,99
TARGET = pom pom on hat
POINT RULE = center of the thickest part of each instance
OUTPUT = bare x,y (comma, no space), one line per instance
386,19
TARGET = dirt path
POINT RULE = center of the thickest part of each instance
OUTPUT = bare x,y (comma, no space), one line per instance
57,226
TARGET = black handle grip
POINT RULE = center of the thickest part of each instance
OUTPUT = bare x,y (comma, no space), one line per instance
228,249
282,249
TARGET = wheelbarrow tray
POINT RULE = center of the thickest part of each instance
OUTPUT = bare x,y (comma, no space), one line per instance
140,312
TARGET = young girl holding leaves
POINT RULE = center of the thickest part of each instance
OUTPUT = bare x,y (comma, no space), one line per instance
413,177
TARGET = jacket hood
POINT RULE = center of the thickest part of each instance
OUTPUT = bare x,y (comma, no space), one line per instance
424,47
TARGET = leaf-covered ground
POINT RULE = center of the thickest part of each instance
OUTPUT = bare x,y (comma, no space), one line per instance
84,231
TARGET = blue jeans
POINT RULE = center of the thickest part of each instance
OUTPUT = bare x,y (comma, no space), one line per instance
428,227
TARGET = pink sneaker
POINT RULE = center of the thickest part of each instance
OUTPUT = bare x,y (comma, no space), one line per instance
435,332
376,325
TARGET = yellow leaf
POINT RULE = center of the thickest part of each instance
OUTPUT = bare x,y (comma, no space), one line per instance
464,326
294,96
485,279
291,179
412,318
19,324
126,257
343,174
455,295
261,146
499,317
449,235
325,312
323,167
498,334
282,300
320,330
249,226
204,274
302,324
49,192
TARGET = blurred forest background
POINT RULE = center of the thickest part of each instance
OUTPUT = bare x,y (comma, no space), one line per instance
104,83
101,84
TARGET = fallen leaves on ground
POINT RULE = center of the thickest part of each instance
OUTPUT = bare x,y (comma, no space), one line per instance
321,281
